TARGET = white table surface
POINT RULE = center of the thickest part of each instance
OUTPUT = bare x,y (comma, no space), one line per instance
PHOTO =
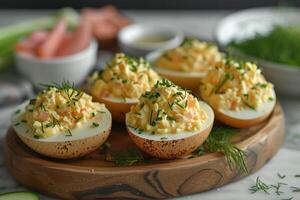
201,24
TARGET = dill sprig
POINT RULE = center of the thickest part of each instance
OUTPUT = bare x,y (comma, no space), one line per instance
219,141
281,176
125,157
272,46
73,95
260,186
295,189
65,85
187,42
278,187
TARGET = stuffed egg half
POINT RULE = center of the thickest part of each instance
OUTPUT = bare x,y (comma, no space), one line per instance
169,122
121,83
62,122
186,64
238,93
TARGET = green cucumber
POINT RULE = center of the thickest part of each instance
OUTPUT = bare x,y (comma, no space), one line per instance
23,195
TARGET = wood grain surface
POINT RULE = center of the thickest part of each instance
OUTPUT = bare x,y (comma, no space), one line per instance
92,177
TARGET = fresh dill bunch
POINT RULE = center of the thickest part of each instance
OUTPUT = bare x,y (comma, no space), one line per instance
126,157
281,45
219,141
260,186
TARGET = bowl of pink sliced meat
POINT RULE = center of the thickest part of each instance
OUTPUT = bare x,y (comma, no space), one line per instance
55,55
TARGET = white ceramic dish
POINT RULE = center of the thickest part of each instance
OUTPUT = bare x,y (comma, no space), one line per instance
128,37
73,68
245,24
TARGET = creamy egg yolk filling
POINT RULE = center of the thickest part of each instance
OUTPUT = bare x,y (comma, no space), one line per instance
166,109
190,56
57,110
233,85
124,77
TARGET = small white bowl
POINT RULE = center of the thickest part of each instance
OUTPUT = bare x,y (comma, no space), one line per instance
129,36
73,68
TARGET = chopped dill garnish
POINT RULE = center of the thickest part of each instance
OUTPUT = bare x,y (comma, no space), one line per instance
37,136
259,186
73,94
288,198
42,126
221,83
125,157
65,85
17,124
199,151
95,124
69,133
295,189
17,111
140,131
32,101
150,118
187,42
178,104
142,105
277,188
281,176
171,118
171,105
248,105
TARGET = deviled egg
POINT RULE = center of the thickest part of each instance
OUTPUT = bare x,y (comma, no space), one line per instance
169,122
238,93
62,122
187,63
121,83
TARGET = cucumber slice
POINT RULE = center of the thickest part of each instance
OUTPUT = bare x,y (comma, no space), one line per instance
19,196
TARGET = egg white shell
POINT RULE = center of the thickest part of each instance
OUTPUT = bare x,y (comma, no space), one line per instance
117,106
247,117
169,146
84,139
121,100
190,80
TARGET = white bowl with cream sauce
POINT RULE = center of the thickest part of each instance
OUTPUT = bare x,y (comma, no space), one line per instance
140,39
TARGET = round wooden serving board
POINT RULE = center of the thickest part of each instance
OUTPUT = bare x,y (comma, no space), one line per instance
92,177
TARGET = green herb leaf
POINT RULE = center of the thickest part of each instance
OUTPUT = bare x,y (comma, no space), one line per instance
295,189
259,186
219,141
95,124
272,46
126,157
281,176
69,133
